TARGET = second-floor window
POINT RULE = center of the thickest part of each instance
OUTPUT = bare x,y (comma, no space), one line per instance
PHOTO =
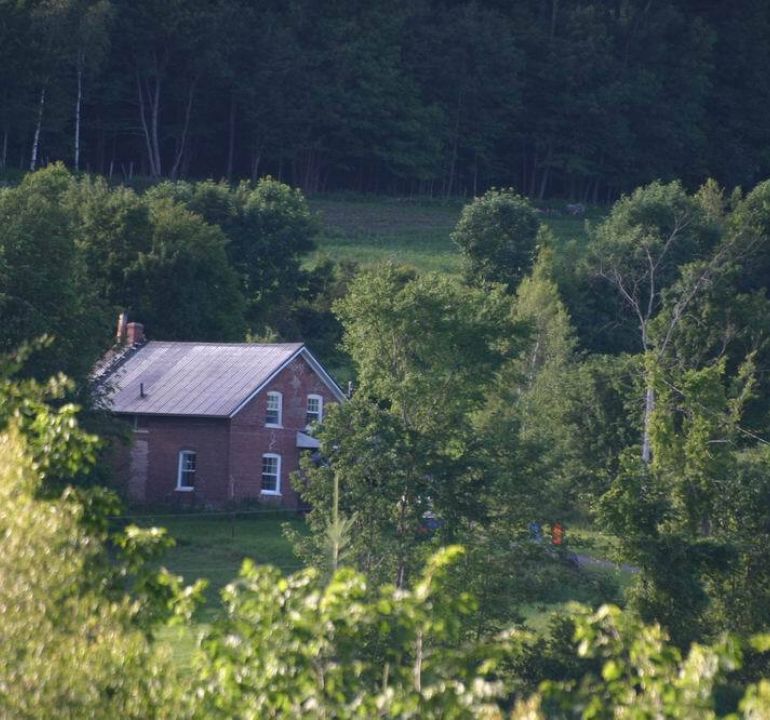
315,406
273,410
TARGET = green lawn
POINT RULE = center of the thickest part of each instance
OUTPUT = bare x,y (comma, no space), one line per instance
389,229
213,548
406,231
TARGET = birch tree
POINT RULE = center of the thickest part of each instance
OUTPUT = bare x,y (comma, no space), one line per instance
49,33
91,34
658,246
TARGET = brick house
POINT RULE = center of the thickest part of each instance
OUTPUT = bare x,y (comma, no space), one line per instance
213,423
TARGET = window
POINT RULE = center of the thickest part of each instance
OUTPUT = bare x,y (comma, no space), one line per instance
271,474
273,411
315,406
185,477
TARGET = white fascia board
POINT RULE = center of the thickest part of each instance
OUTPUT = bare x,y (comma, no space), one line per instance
325,377
266,381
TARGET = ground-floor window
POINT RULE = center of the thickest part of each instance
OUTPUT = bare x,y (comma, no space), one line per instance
185,478
271,474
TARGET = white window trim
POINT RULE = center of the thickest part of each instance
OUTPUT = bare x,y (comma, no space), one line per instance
180,461
320,399
277,490
279,424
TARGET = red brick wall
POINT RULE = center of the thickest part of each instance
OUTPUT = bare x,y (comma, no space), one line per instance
165,437
249,438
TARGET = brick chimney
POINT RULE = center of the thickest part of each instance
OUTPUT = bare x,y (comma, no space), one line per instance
134,333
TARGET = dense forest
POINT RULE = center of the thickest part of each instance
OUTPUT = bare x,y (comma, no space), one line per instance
569,98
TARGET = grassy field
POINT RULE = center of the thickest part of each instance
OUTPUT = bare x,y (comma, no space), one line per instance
213,547
405,231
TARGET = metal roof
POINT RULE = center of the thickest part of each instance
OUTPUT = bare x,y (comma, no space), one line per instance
196,379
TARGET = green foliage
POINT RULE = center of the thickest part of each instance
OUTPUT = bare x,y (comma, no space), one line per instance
76,616
672,517
268,228
642,246
113,228
750,222
429,379
44,282
382,469
642,675
497,235
186,269
403,446
295,647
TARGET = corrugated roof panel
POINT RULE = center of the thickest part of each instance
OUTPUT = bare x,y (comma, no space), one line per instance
201,379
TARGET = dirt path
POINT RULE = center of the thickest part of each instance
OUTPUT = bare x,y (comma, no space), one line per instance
587,561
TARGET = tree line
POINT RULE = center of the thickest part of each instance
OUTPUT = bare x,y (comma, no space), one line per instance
577,99
202,261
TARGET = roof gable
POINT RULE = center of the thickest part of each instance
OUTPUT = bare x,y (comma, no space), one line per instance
200,379
314,365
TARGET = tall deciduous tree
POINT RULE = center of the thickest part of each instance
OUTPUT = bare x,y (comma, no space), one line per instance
86,608
424,348
657,244
186,269
44,283
269,228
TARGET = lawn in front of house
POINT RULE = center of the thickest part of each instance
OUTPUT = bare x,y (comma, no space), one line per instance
213,546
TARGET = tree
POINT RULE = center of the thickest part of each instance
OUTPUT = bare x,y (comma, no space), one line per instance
186,271
528,433
293,647
670,515
652,239
76,630
641,675
404,445
497,236
44,283
379,477
90,35
112,230
430,379
269,228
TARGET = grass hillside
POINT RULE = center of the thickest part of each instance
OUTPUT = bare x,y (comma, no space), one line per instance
412,232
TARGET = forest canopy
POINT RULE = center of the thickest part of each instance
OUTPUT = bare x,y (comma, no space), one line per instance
577,99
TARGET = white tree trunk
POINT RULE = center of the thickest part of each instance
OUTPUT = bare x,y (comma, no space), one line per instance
38,125
155,123
649,407
150,126
4,152
78,102
145,127
185,129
